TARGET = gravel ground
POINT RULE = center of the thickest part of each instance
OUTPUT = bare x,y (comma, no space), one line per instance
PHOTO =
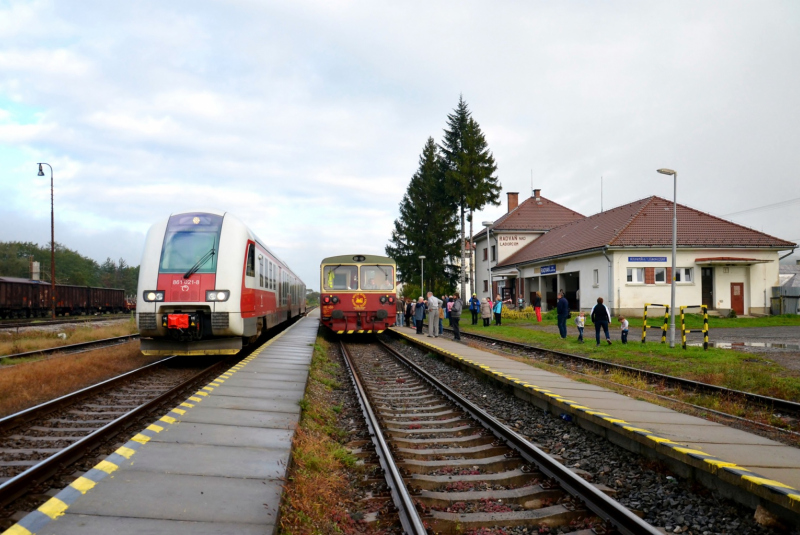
665,500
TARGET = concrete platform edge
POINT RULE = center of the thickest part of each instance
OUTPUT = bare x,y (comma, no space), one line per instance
731,480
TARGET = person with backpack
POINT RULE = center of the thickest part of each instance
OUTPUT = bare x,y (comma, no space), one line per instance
600,317
474,308
455,316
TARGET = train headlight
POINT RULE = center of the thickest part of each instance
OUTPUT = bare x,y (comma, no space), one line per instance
383,299
217,295
334,299
153,295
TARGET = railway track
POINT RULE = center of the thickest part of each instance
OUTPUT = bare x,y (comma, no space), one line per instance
37,322
41,445
773,404
453,468
73,348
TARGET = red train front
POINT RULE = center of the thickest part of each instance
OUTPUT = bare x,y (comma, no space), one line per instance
358,293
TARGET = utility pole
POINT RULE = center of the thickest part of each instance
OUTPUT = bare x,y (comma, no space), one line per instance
52,242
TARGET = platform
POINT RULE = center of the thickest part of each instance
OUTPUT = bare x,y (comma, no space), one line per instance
214,464
742,465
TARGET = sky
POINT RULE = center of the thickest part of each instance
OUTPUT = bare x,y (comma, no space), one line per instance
306,118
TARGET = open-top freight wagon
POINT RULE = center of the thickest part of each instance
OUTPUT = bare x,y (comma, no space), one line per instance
23,298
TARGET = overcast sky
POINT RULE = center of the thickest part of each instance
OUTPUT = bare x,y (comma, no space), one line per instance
306,119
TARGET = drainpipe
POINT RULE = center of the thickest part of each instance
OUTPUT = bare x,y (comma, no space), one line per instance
610,281
790,253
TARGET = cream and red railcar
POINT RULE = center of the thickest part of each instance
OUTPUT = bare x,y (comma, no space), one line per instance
358,293
209,286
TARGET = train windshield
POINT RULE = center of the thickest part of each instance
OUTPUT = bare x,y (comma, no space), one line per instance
377,277
340,277
188,242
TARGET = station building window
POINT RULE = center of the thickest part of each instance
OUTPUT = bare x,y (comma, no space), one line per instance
485,253
485,285
494,253
596,277
683,275
660,275
635,275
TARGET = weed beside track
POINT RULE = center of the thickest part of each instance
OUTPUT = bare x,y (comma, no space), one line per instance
32,339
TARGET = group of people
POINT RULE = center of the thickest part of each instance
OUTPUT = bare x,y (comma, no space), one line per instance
436,311
601,317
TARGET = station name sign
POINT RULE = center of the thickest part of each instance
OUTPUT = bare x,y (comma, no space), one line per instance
647,259
510,239
544,270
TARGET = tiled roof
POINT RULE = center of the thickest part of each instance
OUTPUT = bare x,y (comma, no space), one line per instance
643,223
532,215
723,258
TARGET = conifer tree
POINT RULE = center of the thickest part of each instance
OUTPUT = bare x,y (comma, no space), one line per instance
470,169
427,226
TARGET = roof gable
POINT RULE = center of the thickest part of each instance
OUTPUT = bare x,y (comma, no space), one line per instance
534,214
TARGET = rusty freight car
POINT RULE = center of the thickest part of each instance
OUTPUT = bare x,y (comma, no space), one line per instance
23,298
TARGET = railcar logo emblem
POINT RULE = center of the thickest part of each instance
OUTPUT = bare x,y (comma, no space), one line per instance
185,288
359,301
196,220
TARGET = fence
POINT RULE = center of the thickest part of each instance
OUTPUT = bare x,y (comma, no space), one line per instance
684,331
663,327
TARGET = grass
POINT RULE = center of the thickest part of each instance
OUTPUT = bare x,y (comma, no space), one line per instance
34,339
30,383
655,319
731,369
316,498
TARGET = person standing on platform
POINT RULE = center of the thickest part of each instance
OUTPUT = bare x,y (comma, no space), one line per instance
623,329
498,310
449,302
433,315
537,306
600,317
409,311
455,316
580,323
419,314
474,308
442,315
486,312
562,311
401,308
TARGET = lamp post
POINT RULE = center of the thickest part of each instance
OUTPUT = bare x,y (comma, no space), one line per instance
674,250
422,275
488,225
52,242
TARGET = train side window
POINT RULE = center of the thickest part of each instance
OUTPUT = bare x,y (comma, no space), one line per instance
251,261
260,271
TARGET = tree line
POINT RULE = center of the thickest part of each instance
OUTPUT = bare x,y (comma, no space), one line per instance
71,267
454,179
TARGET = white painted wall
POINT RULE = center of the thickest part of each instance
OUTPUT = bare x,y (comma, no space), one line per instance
507,244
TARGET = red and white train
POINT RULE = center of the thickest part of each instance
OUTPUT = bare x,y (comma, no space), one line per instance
209,286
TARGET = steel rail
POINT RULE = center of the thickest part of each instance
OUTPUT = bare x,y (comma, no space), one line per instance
104,342
595,500
409,517
19,485
46,323
775,403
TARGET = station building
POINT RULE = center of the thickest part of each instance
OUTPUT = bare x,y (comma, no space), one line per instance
624,255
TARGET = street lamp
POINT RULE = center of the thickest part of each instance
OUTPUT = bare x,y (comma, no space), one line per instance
422,276
674,250
52,242
488,225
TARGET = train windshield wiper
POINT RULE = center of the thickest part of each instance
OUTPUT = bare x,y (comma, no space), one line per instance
203,259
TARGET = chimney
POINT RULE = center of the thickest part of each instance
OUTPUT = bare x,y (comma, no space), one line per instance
537,194
513,200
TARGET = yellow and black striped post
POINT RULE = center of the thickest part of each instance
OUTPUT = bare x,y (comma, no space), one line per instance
665,326
683,328
644,323
704,308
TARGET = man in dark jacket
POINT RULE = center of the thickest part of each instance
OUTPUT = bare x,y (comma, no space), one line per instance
455,316
562,309
474,308
600,317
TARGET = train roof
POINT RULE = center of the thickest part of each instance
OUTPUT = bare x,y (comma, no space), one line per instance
351,259
20,280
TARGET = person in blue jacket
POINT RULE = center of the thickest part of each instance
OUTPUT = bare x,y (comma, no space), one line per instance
562,312
474,308
498,310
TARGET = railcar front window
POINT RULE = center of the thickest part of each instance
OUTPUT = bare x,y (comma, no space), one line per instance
188,238
340,277
377,277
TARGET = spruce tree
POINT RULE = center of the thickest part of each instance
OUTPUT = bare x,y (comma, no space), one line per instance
427,226
469,170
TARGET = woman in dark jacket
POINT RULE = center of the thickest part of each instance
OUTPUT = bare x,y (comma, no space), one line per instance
600,317
419,314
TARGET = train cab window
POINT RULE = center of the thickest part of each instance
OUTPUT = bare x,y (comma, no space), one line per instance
191,243
377,277
250,271
340,277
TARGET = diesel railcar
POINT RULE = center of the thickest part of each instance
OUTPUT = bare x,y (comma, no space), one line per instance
358,293
209,286
23,298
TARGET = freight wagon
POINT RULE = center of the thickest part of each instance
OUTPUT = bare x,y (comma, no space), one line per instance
23,298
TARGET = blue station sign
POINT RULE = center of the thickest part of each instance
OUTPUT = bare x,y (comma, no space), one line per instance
544,270
647,259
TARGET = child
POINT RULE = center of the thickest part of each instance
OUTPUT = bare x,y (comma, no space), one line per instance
580,323
623,325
